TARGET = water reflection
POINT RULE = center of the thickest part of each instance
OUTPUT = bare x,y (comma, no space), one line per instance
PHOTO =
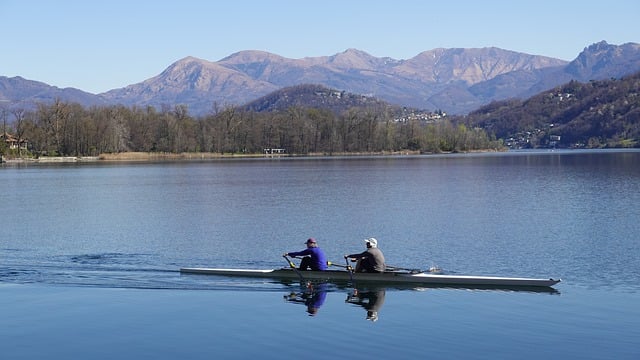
370,300
313,294
312,297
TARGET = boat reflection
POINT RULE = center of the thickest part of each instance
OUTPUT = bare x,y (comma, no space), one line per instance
336,285
312,297
370,300
313,294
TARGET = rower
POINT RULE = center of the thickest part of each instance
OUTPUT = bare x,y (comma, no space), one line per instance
370,260
314,258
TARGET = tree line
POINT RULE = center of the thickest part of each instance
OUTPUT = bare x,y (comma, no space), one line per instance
69,129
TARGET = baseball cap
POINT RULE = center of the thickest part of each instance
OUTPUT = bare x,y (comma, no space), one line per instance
372,241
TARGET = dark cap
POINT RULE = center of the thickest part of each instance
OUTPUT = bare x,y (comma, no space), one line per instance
311,241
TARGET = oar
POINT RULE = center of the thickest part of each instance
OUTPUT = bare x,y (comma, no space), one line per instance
338,265
293,266
350,270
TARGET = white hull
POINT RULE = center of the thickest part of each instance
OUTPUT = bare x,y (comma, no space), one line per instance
387,277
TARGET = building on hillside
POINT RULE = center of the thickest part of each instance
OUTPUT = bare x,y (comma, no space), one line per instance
13,143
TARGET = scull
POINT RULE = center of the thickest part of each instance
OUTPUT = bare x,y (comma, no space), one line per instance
403,277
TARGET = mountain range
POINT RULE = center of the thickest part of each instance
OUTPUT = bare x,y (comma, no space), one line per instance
455,81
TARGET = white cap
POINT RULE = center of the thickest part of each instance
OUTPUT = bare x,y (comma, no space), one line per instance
372,241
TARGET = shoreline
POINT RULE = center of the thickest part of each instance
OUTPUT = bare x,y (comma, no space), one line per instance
143,157
150,157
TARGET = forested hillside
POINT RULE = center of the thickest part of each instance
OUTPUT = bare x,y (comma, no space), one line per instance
316,96
68,129
595,114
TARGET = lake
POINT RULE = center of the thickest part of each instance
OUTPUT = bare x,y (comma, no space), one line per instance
90,256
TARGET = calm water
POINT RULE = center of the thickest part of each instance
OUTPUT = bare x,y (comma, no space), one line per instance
90,253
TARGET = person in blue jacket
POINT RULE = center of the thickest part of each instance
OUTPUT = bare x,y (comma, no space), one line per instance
314,258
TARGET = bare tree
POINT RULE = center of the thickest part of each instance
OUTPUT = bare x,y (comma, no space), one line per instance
18,114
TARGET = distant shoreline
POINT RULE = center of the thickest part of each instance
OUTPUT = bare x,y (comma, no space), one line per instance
143,157
151,156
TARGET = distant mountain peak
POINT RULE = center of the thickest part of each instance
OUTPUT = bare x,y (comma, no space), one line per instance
599,46
187,63
602,60
190,59
250,56
355,59
355,52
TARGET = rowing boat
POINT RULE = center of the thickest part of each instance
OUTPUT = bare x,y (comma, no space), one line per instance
403,277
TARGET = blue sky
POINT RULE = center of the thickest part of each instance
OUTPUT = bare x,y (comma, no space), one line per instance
97,46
